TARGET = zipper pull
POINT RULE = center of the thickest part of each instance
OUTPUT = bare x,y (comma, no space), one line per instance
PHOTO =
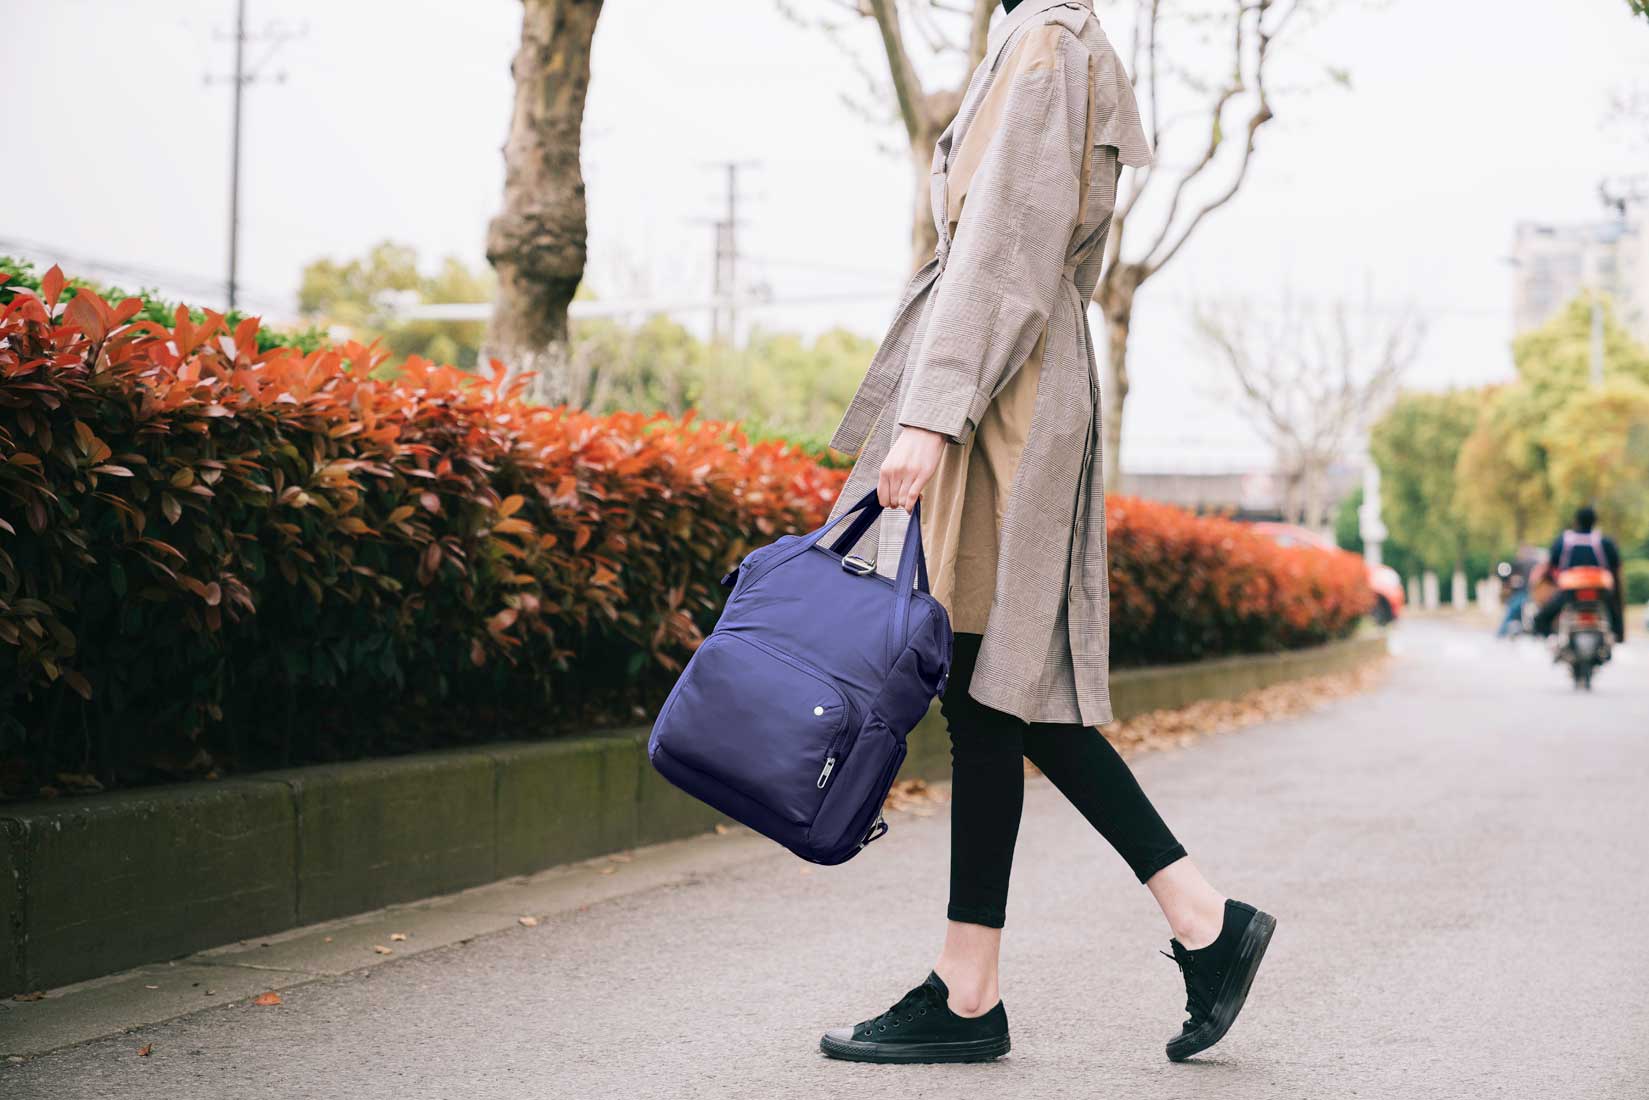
824,776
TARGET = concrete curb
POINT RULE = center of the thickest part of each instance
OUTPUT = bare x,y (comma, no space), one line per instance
1137,691
91,886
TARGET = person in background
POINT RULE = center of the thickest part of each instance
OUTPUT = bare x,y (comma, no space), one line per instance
1515,580
1584,544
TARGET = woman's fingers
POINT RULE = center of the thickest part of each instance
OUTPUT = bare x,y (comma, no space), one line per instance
894,488
909,464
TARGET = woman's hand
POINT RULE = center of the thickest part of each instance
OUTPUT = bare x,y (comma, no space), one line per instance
908,467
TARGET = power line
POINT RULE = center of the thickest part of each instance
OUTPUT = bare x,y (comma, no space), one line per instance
135,276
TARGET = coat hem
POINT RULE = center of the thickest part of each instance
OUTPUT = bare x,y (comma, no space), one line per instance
1027,711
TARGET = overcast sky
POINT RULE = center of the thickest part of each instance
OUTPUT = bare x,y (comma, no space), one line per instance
1464,116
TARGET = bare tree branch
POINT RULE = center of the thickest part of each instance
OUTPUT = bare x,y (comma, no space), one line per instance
1221,55
1314,378
907,88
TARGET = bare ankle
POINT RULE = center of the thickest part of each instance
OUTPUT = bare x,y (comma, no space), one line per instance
970,1001
967,965
971,992
1197,927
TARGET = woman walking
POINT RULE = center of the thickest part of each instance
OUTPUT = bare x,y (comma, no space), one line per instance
983,401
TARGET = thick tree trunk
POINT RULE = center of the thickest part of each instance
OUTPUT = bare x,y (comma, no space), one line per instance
537,243
1116,301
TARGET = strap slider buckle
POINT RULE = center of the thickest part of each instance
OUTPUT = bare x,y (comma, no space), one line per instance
853,563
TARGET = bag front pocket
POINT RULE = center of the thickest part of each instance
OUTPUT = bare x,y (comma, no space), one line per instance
761,721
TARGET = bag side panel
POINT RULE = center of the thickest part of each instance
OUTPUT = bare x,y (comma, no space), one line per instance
856,796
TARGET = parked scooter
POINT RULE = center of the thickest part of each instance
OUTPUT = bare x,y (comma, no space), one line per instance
1582,638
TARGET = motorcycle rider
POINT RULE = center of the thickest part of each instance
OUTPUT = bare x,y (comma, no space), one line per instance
1584,544
1514,580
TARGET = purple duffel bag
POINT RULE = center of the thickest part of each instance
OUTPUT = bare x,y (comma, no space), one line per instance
792,715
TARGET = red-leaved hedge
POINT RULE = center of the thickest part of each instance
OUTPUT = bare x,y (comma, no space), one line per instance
1186,587
215,557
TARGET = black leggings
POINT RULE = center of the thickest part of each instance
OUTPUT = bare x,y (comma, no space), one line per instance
988,793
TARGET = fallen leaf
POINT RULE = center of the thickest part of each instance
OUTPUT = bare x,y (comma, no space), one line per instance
267,999
37,995
326,939
722,830
915,796
382,950
608,870
396,937
621,857
527,922
151,987
145,1050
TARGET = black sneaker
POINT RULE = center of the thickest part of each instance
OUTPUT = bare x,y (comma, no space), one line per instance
922,1028
1217,977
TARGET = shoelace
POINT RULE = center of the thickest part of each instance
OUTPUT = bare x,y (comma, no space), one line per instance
1196,1007
900,1012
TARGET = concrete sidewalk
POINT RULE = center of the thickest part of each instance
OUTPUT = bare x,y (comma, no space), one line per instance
1456,862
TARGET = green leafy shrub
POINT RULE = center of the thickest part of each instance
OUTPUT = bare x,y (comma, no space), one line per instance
1636,575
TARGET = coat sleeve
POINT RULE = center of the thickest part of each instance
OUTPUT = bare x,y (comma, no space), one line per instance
1007,261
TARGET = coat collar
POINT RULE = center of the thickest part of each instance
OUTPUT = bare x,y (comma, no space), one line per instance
1017,18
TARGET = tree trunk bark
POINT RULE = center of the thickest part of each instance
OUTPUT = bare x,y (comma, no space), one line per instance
1116,302
537,243
923,237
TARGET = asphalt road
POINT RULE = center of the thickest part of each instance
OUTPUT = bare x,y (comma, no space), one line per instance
1457,863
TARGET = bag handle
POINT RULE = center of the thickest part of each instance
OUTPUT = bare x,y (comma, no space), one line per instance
861,523
868,511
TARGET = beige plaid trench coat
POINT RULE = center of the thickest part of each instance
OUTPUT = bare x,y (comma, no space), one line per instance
1020,269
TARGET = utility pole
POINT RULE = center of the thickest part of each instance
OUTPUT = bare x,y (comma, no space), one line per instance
234,153
724,319
1371,526
244,76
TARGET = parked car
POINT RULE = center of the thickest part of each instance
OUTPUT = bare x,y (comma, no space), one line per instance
1387,585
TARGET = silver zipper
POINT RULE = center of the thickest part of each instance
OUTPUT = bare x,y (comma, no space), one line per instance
824,776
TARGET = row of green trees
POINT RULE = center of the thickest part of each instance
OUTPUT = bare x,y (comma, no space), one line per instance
778,384
1467,475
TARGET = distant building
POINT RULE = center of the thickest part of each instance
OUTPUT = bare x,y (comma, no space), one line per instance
1554,264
